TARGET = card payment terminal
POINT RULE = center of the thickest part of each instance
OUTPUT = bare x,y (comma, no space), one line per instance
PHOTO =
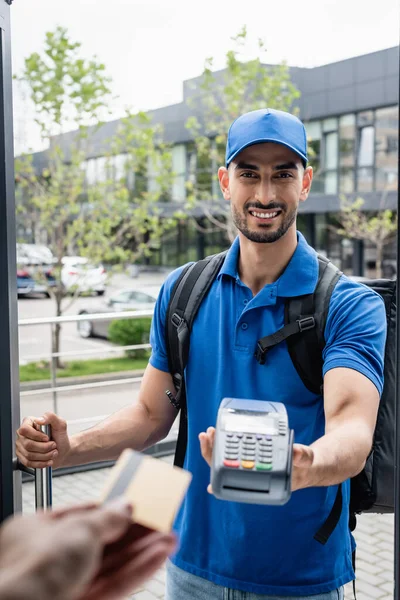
252,455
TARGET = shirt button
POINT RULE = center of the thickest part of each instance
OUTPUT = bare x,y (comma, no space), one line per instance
245,302
244,326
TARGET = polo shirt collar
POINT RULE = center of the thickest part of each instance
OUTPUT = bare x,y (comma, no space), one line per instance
300,276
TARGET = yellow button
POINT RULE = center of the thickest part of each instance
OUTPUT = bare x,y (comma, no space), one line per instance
248,464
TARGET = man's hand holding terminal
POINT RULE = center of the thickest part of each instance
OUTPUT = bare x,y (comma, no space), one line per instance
303,458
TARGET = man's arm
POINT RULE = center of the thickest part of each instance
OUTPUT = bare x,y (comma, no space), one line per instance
351,404
138,426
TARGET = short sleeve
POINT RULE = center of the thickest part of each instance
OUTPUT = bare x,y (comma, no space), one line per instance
355,332
159,358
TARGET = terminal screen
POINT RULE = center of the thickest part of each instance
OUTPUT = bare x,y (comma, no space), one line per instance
250,421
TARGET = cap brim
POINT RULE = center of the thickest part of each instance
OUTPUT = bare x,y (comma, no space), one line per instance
263,141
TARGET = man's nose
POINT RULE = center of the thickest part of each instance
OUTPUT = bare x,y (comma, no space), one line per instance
266,192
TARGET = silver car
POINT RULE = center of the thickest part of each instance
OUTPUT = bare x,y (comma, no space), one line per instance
124,300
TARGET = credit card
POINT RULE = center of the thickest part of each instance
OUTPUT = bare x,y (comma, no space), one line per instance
154,488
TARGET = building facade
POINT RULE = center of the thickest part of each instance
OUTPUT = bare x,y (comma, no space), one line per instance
350,109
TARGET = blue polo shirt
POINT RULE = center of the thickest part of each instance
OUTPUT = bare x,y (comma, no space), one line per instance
266,549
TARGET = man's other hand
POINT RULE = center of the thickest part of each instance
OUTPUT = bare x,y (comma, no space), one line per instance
33,447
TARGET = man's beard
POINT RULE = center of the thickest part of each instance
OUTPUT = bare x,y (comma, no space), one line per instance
263,235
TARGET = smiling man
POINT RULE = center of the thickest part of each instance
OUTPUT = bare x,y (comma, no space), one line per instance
228,550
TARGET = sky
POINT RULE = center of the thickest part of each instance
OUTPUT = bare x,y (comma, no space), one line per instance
151,46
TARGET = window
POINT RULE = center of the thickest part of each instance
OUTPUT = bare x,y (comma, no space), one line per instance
102,169
365,159
179,168
119,166
122,298
141,298
331,148
314,132
331,151
386,132
365,155
347,143
365,118
329,125
91,171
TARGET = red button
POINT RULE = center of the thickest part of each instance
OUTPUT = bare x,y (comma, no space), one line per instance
233,464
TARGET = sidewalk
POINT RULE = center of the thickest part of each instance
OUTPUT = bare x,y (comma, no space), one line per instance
374,535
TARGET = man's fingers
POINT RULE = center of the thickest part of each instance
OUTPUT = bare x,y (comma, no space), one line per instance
303,456
207,443
50,418
110,521
29,430
133,568
36,447
35,460
66,511
137,540
211,434
205,447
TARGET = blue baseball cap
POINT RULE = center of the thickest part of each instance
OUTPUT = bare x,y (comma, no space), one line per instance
266,125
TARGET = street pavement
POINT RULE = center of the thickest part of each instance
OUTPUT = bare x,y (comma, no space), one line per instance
374,535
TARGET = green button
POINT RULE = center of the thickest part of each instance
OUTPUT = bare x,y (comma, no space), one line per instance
263,467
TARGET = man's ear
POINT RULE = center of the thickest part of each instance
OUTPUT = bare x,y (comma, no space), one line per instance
223,177
306,184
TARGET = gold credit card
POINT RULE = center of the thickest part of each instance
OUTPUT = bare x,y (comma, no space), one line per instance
153,487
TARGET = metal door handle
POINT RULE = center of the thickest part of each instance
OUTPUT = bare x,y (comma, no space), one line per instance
43,479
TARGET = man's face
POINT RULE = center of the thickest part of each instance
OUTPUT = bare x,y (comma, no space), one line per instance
265,184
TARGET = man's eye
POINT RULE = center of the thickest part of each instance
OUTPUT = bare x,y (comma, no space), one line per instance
248,174
284,175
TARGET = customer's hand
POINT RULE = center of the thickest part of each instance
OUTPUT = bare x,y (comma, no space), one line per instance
33,447
85,553
303,458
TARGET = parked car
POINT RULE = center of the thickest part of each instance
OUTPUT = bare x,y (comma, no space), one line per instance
131,299
34,269
78,272
25,283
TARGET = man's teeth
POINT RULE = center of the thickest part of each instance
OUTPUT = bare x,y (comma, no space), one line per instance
263,215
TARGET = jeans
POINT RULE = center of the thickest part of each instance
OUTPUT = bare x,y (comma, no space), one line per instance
185,586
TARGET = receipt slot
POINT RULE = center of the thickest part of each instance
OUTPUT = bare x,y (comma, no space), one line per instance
252,455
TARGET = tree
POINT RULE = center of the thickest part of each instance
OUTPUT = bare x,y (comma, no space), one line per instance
219,99
377,228
114,219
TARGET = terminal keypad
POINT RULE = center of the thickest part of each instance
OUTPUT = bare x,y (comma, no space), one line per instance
253,452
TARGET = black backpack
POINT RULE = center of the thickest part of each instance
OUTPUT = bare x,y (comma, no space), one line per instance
305,316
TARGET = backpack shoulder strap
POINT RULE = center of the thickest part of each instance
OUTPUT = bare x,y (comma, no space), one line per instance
306,349
305,318
188,293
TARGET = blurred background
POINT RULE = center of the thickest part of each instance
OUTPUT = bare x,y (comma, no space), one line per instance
121,112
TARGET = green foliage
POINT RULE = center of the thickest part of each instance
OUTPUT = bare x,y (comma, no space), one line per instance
128,332
116,219
378,228
244,86
80,368
65,88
